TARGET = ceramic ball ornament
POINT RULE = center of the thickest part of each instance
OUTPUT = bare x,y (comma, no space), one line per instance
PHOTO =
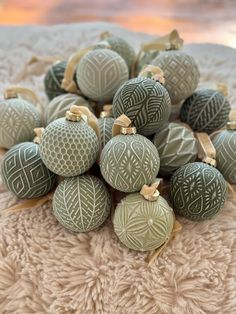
105,123
81,203
69,146
206,110
24,173
198,191
100,73
181,73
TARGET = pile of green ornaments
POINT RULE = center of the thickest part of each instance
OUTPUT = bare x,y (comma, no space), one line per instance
86,146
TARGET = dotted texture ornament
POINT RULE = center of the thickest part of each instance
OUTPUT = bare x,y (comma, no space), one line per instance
198,191
176,146
105,126
53,79
81,203
143,225
181,73
69,148
145,101
205,111
58,107
24,173
225,145
18,118
128,162
100,73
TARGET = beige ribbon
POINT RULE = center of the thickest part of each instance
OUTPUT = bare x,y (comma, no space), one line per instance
223,89
151,193
121,122
206,150
38,132
153,72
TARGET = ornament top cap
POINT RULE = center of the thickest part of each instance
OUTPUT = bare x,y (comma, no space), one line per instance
122,125
231,125
75,114
107,111
151,193
153,72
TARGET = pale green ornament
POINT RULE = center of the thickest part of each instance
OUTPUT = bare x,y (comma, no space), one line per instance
81,203
105,124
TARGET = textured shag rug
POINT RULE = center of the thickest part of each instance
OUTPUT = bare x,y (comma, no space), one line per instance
46,269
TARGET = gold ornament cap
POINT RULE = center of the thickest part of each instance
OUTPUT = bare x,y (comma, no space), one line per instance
231,125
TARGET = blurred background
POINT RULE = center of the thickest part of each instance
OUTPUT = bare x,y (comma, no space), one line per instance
211,21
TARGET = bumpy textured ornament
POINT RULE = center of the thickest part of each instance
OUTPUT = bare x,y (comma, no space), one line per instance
100,73
198,191
53,79
206,110
18,119
105,126
181,73
143,225
81,203
176,146
24,173
145,101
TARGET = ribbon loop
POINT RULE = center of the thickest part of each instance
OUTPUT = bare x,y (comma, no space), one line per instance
121,122
223,89
38,132
206,150
150,193
153,72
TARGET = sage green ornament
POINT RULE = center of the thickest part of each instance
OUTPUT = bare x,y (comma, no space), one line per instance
145,101
141,224
176,146
181,73
198,191
81,203
100,73
105,123
18,119
206,110
24,173
53,79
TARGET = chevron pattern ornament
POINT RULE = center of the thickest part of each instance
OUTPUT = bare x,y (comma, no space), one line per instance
176,146
128,162
69,148
81,203
145,101
18,119
181,74
225,145
143,225
24,173
100,73
105,126
206,110
53,80
198,191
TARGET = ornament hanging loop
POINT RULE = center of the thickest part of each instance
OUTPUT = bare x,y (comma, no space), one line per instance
151,193
153,72
122,123
39,133
231,125
206,150
107,111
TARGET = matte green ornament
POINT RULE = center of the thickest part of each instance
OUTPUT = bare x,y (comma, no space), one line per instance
100,73
225,145
206,110
143,225
176,146
105,126
128,162
24,173
81,203
18,119
198,191
181,73
145,101
53,79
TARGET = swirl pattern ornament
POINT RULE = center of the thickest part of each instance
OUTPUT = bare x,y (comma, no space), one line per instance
181,73
225,145
24,173
145,101
128,162
206,110
100,73
105,126
143,225
198,191
18,120
81,203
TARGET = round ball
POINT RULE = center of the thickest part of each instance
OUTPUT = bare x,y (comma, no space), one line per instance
181,73
69,148
176,146
143,225
145,101
81,203
53,79
198,191
225,145
105,126
18,120
100,73
128,162
206,110
24,173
